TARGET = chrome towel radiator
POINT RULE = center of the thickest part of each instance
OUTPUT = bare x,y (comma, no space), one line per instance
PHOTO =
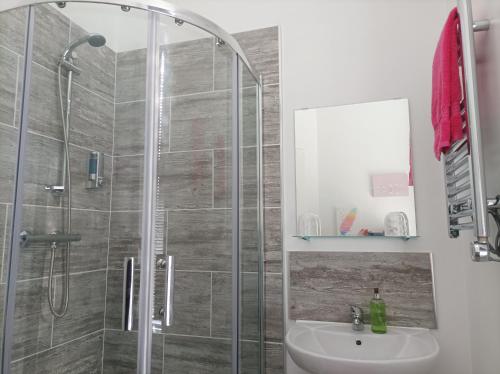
468,204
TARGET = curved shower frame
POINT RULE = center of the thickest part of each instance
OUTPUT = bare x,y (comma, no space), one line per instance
155,8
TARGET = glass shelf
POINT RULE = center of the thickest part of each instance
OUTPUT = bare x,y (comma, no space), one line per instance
308,238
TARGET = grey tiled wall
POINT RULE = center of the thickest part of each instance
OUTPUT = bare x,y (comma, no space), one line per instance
108,116
324,284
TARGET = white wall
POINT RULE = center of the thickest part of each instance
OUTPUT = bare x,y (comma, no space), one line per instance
344,51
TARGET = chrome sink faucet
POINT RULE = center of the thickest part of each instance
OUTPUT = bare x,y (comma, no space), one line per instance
357,318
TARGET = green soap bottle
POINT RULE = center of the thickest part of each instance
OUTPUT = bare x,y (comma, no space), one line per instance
377,314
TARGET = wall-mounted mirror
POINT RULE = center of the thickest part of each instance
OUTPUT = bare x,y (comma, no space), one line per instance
354,172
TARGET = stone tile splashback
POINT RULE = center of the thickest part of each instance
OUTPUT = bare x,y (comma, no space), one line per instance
324,284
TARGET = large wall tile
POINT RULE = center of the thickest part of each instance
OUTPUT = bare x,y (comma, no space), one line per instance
131,76
271,115
272,177
185,180
86,308
127,183
223,70
223,67
51,36
97,66
273,246
92,251
222,306
188,355
44,110
91,121
8,150
273,307
120,353
223,185
32,319
191,304
200,239
43,168
81,356
223,178
129,128
124,238
249,123
189,67
249,239
13,26
262,50
8,86
324,284
201,121
274,358
249,357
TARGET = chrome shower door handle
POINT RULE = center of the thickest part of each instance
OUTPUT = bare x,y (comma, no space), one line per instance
168,309
128,294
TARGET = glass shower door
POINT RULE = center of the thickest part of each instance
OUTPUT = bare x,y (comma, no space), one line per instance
78,203
12,49
194,217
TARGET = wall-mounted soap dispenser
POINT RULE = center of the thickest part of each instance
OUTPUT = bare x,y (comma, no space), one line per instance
95,170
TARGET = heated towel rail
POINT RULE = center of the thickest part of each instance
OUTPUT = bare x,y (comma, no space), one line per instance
463,163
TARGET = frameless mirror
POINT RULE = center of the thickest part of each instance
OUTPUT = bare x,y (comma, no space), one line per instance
354,172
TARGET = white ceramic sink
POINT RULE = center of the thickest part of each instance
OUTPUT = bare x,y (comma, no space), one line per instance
333,348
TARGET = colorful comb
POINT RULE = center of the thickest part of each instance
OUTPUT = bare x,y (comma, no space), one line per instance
347,222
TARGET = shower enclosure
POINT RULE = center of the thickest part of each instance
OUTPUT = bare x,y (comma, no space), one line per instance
130,191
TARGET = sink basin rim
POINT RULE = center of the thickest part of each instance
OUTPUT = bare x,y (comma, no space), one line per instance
311,325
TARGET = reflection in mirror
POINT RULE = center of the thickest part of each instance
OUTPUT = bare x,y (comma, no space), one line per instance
354,172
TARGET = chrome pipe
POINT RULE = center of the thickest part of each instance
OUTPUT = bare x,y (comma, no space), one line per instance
477,162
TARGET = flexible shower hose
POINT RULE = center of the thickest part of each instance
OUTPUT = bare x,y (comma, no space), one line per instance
65,124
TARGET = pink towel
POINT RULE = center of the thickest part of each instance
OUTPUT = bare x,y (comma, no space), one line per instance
446,87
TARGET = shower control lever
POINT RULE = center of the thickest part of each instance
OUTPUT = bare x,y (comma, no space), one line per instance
55,189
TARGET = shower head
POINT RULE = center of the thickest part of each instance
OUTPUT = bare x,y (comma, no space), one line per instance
95,40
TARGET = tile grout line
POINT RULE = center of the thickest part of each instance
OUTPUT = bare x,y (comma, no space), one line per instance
32,132
57,346
11,51
189,150
2,124
60,207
